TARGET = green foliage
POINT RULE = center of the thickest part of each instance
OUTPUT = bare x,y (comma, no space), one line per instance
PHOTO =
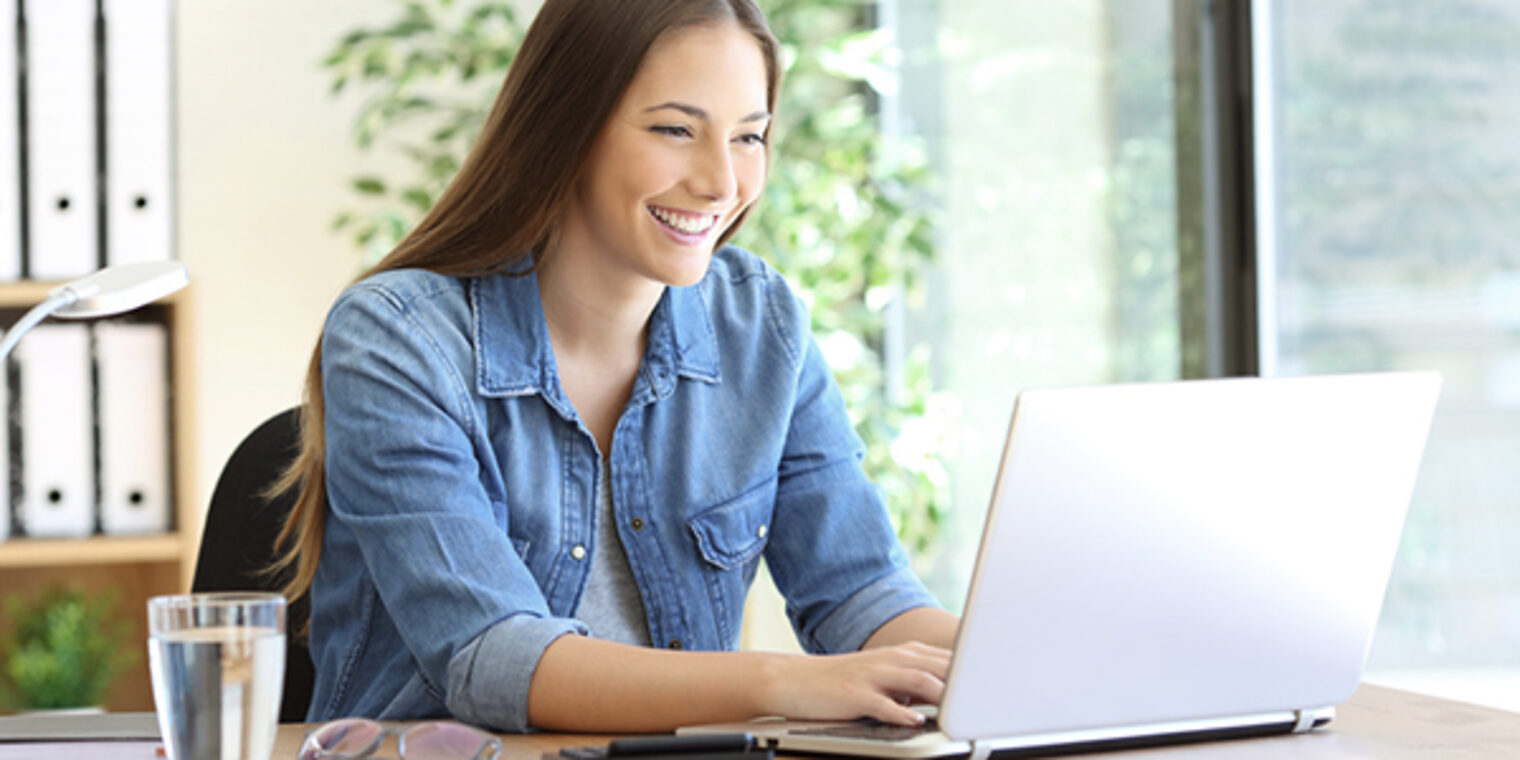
64,649
842,215
429,78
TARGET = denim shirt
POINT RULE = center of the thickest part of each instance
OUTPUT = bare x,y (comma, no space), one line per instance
462,489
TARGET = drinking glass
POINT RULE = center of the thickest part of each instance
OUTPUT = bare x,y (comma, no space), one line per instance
218,666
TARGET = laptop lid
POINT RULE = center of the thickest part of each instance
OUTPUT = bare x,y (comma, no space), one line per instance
1171,561
1181,551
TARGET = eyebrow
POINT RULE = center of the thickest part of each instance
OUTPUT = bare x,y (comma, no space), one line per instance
697,113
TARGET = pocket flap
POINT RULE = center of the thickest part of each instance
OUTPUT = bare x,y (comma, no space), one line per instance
734,532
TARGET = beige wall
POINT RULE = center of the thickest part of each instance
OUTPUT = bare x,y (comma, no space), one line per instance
264,156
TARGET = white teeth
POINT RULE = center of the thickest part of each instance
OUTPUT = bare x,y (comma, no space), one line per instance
689,224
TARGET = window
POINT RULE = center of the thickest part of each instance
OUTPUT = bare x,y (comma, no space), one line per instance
1388,189
1052,129
1380,166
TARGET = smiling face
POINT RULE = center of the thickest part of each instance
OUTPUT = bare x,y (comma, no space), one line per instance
680,157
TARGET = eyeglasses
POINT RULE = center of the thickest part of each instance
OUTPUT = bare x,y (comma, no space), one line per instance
354,738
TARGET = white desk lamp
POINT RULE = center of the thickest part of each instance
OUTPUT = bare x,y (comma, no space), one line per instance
113,290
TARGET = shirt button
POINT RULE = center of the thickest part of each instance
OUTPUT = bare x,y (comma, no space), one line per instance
578,552
761,531
674,644
638,523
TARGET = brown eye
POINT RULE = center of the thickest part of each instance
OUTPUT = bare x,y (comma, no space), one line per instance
671,131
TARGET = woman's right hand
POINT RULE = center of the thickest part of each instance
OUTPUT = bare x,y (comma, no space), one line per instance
877,683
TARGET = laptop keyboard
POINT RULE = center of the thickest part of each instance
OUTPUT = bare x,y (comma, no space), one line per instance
870,729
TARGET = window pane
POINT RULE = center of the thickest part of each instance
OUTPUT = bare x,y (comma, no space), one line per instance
1391,189
1051,128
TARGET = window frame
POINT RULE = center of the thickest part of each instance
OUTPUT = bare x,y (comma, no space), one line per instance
1223,262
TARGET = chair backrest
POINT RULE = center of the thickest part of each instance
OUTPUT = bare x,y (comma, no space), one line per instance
238,542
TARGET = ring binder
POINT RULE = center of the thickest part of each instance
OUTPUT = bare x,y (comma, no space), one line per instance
60,137
138,131
132,373
57,462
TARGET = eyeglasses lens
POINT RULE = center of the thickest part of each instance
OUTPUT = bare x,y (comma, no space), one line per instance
350,738
448,741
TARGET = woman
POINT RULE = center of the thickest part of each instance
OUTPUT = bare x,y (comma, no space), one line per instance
549,437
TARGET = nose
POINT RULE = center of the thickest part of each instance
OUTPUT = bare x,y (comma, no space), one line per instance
712,173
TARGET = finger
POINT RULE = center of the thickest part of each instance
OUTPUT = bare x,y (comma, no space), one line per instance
936,661
925,650
887,711
928,648
918,685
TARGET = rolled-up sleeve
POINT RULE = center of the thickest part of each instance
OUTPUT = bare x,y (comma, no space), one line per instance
847,628
486,682
404,478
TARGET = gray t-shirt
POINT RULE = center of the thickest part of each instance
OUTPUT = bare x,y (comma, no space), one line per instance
611,606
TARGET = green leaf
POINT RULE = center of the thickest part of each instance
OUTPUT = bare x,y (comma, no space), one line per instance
366,233
369,186
409,28
418,198
500,10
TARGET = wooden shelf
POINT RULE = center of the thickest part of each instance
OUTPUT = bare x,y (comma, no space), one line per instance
128,569
95,550
24,294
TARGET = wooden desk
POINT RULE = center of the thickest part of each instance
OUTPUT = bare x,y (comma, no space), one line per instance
1376,724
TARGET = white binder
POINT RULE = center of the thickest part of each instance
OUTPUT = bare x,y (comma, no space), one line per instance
60,118
132,375
10,150
138,131
57,452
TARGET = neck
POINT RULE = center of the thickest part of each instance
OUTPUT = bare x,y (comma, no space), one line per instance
595,312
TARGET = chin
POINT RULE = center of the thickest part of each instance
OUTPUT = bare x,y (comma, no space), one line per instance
682,270
687,276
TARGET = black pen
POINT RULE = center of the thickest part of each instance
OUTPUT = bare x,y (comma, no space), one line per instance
670,744
701,747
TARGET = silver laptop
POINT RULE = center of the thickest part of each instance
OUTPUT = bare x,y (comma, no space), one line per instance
1170,562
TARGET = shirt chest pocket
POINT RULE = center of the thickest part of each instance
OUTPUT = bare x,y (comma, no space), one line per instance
734,532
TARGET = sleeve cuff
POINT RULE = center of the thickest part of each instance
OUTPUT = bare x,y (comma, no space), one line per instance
848,626
489,677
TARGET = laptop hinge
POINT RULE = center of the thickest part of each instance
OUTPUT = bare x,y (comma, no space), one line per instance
1303,720
980,750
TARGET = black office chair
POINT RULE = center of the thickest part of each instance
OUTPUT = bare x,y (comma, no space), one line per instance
238,542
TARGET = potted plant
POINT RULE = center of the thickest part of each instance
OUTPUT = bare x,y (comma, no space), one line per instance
63,649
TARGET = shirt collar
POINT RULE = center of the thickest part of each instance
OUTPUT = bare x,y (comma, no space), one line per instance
513,355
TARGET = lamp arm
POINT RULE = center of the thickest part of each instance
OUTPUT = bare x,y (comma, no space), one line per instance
56,300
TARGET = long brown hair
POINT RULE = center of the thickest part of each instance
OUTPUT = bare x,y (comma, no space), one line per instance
575,62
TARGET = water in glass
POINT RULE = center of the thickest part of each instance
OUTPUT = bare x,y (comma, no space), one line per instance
218,666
